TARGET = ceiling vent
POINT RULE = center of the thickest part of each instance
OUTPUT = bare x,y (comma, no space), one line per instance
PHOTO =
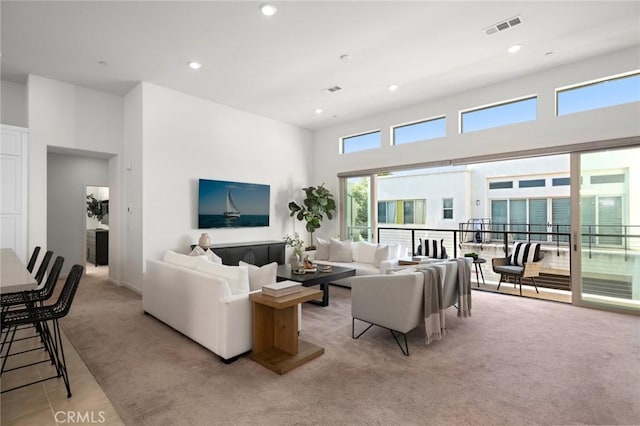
332,89
504,25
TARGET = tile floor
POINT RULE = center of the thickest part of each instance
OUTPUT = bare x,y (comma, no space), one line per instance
46,403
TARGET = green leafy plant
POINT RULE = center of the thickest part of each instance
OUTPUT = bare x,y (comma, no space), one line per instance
294,241
318,204
94,209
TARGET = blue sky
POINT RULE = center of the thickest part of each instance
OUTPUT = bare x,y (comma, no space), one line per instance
420,131
607,93
600,95
250,198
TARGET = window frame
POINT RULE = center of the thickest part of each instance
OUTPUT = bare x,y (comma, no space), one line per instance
515,228
403,202
447,209
342,139
462,112
416,122
585,84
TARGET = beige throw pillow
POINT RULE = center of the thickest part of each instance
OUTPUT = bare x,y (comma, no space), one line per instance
382,253
365,252
197,251
261,275
322,249
213,257
340,251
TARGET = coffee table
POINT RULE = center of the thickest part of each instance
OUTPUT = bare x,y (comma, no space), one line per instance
316,278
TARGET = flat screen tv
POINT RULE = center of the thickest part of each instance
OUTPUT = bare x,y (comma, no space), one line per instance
223,204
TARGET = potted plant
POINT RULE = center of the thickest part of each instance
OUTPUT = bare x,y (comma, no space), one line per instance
94,210
472,255
296,243
318,204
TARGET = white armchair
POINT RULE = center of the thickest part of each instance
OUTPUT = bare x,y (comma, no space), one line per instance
394,302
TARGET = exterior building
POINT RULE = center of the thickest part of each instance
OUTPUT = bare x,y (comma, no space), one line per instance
526,195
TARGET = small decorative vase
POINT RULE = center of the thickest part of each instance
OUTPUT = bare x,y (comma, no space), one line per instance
204,241
294,260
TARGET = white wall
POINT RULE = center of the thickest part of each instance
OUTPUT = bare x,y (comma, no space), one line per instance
548,131
434,187
186,138
162,141
76,119
130,247
13,104
67,177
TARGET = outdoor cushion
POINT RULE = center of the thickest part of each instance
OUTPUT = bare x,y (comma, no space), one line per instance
524,252
509,269
432,248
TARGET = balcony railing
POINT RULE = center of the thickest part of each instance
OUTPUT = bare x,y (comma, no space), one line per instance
611,270
594,237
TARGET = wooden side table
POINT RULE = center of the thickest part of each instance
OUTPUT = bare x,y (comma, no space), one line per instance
275,331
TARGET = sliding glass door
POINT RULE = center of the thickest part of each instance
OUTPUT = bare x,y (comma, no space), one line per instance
606,232
357,208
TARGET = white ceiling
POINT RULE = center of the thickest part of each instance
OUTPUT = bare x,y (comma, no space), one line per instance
277,66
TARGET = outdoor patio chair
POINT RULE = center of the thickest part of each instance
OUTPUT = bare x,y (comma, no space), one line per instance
523,262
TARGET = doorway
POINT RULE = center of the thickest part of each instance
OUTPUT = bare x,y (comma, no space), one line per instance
97,230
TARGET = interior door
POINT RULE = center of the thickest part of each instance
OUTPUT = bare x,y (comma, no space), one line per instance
13,211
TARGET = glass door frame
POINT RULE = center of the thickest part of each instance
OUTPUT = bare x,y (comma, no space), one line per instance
373,202
575,252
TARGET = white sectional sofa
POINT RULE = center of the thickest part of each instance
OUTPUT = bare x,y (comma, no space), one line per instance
205,301
366,258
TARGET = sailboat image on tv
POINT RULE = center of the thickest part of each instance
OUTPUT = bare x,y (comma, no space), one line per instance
232,211
225,204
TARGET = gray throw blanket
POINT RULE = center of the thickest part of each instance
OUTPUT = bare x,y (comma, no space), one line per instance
464,287
433,311
449,279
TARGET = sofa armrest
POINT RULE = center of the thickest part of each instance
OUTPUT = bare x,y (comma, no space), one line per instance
392,301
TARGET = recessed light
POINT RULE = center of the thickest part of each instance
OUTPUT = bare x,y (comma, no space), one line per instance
515,48
392,87
318,110
268,9
195,65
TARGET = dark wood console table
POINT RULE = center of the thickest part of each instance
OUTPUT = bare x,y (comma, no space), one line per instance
98,246
257,253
